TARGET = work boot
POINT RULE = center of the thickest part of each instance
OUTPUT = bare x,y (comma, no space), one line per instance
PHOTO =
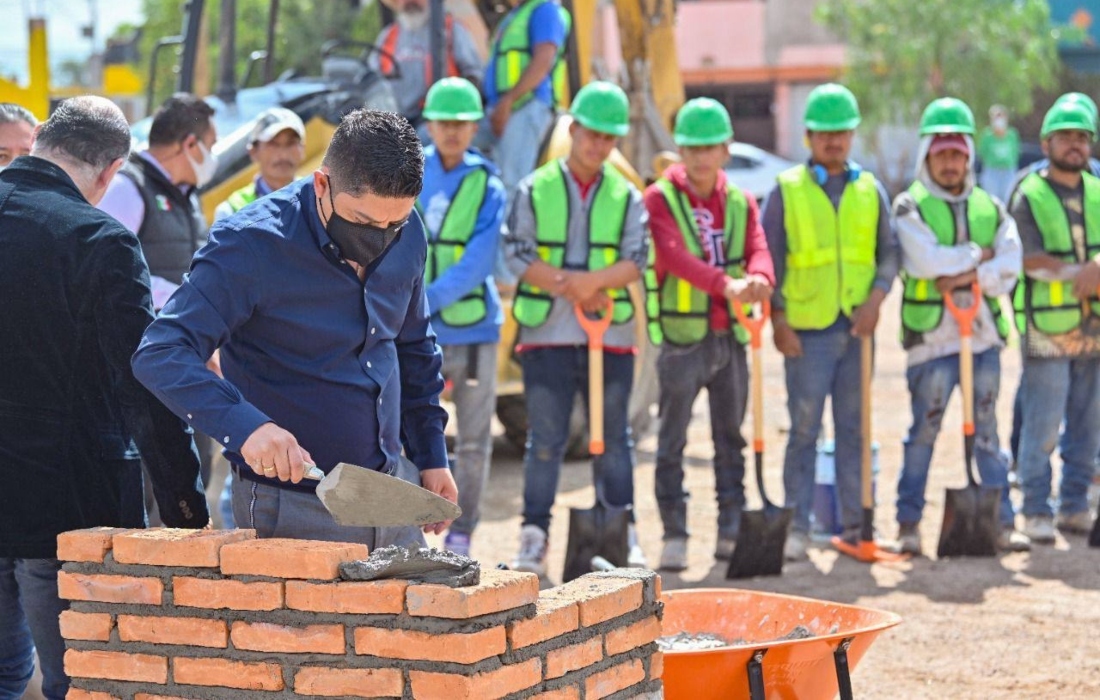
796,546
533,543
635,557
674,555
723,549
1009,539
457,542
909,539
1039,529
1074,523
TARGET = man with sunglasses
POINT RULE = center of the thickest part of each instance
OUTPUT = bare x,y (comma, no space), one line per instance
316,301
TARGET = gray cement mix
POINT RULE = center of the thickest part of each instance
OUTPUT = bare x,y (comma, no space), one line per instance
414,564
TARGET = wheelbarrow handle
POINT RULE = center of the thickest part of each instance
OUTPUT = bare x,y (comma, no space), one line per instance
965,315
754,325
595,328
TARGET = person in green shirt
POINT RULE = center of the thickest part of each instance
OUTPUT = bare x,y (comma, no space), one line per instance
999,150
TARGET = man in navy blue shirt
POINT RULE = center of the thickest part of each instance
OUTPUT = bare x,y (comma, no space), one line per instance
315,297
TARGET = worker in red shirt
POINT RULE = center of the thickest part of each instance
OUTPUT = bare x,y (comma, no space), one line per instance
708,251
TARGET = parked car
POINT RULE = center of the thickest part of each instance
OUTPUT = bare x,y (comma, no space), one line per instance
754,169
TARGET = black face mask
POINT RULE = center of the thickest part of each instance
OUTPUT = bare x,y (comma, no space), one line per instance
360,243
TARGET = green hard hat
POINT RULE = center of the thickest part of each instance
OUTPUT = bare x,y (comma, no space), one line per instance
947,115
1081,99
1066,116
831,107
602,106
702,122
453,99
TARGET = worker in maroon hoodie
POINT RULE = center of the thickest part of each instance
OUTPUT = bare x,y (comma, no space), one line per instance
708,251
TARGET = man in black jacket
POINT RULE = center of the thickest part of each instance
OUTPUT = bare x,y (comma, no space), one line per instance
73,420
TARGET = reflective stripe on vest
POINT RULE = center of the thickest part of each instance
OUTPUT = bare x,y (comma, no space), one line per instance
678,312
922,304
830,252
550,201
447,249
242,198
389,47
512,53
1052,306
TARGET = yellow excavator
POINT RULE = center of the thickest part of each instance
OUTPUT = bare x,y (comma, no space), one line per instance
648,71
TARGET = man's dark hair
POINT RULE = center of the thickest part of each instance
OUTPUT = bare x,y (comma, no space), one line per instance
11,113
180,116
87,129
375,152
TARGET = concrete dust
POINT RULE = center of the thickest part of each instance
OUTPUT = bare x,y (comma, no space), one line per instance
414,564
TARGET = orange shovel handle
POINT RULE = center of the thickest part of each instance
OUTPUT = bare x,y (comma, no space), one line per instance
965,315
754,325
595,328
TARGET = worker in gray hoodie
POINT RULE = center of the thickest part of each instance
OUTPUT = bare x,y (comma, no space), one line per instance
953,234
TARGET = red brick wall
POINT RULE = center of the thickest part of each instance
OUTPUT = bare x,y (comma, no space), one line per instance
219,615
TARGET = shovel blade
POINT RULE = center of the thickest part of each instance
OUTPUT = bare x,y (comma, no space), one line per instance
970,523
758,550
599,531
359,497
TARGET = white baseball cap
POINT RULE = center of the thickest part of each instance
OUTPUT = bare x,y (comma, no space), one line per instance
274,121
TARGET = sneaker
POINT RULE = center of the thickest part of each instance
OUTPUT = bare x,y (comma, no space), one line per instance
723,550
909,539
457,542
1039,529
533,544
796,546
635,557
1012,540
1074,523
674,555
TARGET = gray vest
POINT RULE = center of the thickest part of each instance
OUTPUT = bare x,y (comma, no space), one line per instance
173,227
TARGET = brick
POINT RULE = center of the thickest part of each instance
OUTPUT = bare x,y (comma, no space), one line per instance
81,694
651,581
614,679
570,693
421,646
357,597
226,595
657,665
175,547
228,674
497,591
263,636
187,631
282,558
359,682
553,618
482,686
116,666
573,657
600,599
91,544
626,638
103,588
89,627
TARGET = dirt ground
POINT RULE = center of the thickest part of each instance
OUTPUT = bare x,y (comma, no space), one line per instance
1016,626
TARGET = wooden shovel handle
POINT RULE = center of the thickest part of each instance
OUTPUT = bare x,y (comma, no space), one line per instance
866,352
595,329
754,325
755,328
965,316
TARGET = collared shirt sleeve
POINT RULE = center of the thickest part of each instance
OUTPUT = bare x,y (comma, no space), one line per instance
218,296
476,264
1000,274
887,249
520,237
775,233
758,260
546,26
634,245
123,201
420,362
122,313
469,61
921,253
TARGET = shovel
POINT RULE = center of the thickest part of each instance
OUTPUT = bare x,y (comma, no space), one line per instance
970,514
866,550
758,550
1094,536
602,529
359,497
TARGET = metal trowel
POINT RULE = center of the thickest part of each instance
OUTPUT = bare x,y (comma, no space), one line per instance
360,497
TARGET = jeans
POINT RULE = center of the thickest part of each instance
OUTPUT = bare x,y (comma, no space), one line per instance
29,611
516,151
829,366
1055,390
276,512
930,387
552,376
716,364
998,181
474,398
